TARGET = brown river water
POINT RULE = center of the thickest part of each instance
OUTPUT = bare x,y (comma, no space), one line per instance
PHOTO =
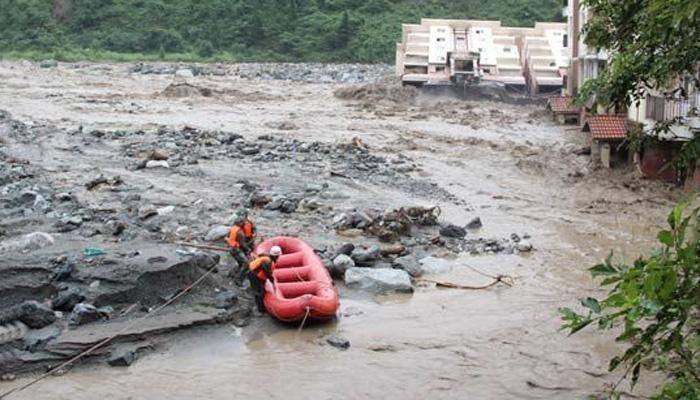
515,170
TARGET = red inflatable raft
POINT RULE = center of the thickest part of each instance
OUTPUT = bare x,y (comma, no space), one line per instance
301,282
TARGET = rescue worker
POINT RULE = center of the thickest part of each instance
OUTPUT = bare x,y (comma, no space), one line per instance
240,246
248,226
260,271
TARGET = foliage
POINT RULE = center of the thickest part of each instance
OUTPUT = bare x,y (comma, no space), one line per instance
653,47
261,30
654,304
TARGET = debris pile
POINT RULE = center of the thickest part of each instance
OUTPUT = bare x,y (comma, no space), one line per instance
377,93
183,89
387,226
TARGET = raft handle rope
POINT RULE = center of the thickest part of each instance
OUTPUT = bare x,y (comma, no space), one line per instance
110,338
303,321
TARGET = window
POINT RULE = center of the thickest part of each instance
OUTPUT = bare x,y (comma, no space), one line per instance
655,108
478,31
441,39
566,40
506,49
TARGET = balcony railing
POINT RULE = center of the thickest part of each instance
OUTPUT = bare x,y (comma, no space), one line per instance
659,108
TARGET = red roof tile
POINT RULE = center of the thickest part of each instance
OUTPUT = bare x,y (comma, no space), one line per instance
607,126
562,105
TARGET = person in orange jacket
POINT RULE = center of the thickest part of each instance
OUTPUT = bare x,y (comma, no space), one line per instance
248,226
241,240
259,271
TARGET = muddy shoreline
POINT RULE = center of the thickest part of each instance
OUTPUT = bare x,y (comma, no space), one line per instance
104,157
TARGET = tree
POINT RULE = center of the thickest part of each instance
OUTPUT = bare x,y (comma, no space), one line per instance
655,303
653,45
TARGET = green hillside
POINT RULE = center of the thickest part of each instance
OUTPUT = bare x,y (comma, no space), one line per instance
240,30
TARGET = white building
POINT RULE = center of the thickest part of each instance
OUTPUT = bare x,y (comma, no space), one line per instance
424,54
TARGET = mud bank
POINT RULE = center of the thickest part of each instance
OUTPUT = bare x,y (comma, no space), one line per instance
96,157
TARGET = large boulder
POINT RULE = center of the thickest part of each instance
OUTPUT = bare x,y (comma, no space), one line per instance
36,315
378,280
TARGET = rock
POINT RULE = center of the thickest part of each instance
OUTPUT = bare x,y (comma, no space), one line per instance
115,227
36,339
165,210
84,313
7,377
184,73
310,204
453,231
157,164
283,204
63,272
524,246
338,341
225,299
341,263
159,155
48,64
346,248
250,150
147,212
351,233
40,205
434,265
410,265
365,256
217,232
67,224
67,299
63,196
122,357
287,126
474,223
257,199
382,280
36,315
392,249
96,182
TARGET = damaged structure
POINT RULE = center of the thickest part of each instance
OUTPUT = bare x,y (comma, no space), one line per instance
449,52
608,127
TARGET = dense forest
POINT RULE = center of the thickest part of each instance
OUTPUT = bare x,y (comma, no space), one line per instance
236,30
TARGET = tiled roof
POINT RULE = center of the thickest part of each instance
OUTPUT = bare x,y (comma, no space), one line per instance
562,105
607,126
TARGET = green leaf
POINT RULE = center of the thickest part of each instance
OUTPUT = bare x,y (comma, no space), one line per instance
666,238
603,269
592,304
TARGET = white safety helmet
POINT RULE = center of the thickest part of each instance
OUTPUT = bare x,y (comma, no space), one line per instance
276,251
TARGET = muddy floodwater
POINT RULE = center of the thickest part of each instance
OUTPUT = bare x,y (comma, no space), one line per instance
509,165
